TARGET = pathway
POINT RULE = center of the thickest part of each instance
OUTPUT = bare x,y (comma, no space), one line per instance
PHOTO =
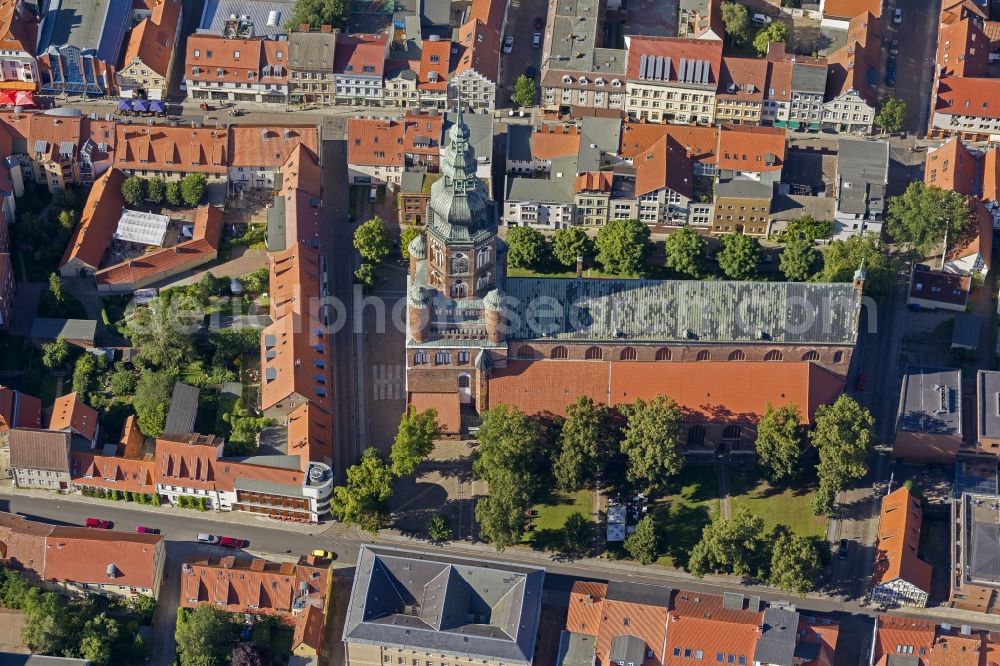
725,507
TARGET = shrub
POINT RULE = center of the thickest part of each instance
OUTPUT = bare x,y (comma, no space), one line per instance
155,499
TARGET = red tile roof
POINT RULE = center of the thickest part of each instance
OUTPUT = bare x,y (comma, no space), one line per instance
81,555
69,412
18,28
310,627
952,167
152,41
310,434
373,141
167,148
593,181
253,61
705,391
676,49
301,171
969,97
743,79
664,165
435,58
360,55
851,64
991,174
699,622
422,134
479,49
269,147
188,461
898,540
490,12
591,612
978,238
98,222
848,9
963,50
19,410
293,364
445,404
554,140
699,142
751,148
116,472
294,276
916,637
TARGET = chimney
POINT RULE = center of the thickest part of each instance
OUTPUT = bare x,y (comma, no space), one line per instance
303,27
326,29
579,266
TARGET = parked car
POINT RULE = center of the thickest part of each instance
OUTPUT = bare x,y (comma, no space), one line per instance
859,383
897,16
536,40
324,554
142,529
230,542
760,19
842,549
99,524
508,44
890,72
208,538
894,47
539,23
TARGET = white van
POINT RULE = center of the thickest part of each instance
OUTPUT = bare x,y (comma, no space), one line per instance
760,19
207,538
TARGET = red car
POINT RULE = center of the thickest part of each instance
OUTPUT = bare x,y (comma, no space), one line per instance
230,542
859,384
98,523
142,529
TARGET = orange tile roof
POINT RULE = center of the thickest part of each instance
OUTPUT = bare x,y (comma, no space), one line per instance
373,141
823,633
593,181
310,627
705,391
152,41
951,650
354,53
849,65
915,636
779,77
978,238
258,586
69,412
82,555
554,140
479,50
848,9
710,628
301,171
751,148
445,404
294,364
637,138
29,410
898,540
132,437
208,54
422,133
169,148
592,612
303,221
436,58
275,56
963,50
969,97
18,27
743,79
664,165
677,49
951,167
991,174
192,460
293,280
100,471
957,10
23,541
310,434
490,12
586,602
268,147
699,142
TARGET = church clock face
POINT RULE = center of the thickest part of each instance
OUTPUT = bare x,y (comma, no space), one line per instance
459,264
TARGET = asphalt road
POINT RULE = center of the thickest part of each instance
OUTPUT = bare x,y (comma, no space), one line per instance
915,61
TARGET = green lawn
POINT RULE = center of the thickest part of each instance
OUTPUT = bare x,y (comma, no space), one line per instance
777,505
682,515
590,273
550,515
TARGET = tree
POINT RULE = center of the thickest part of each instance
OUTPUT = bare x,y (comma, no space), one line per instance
807,227
842,435
365,276
738,255
363,500
586,443
524,91
371,240
843,258
204,636
772,32
174,197
500,514
318,13
46,622
414,440
406,235
161,331
152,396
256,282
67,220
193,188
568,243
244,429
247,654
97,638
795,563
737,21
577,534
651,435
797,259
54,353
685,248
439,528
156,190
923,214
525,247
891,114
622,246
55,288
134,191
644,544
779,436
735,545
87,374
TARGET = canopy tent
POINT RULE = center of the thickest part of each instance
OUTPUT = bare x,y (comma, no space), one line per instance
140,105
124,105
156,106
24,99
6,98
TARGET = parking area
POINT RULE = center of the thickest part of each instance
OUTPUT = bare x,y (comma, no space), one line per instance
520,25
442,484
915,60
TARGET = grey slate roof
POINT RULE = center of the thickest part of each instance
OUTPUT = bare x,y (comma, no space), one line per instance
788,207
627,649
67,329
32,448
862,173
276,227
553,190
217,12
809,78
776,644
480,133
682,310
279,461
576,649
984,563
311,50
597,136
743,188
269,487
87,24
475,609
965,331
930,401
639,593
989,403
519,143
183,410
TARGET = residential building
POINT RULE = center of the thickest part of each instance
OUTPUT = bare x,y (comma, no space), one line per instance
929,420
17,410
247,18
974,579
923,644
18,39
295,215
546,203
742,86
963,107
77,332
837,14
741,206
852,82
788,207
256,153
79,46
358,69
476,71
40,458
987,410
952,167
973,251
592,197
433,73
486,612
81,561
936,290
861,179
701,19
414,195
962,49
751,152
171,152
56,148
375,151
422,140
310,66
71,414
401,85
149,56
250,69
900,577
795,89
672,80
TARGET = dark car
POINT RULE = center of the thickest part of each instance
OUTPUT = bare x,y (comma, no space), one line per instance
890,72
530,72
859,383
539,23
230,542
894,47
98,523
842,550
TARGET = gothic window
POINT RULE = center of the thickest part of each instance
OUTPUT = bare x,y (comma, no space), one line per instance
737,355
811,355
483,257
773,355
696,436
628,354
731,432
459,264
464,381
663,354
483,280
593,354
436,250
838,357
459,289
704,355
442,358
558,352
526,352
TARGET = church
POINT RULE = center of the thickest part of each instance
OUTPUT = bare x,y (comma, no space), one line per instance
722,350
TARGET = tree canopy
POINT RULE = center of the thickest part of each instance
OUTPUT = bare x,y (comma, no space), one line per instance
587,441
651,437
363,500
134,191
407,234
204,636
524,91
568,243
807,227
318,13
842,434
622,246
734,546
923,214
525,247
772,32
193,188
795,564
737,21
738,255
644,544
414,440
891,114
577,534
797,259
156,190
372,241
152,397
779,439
842,259
87,374
685,248
55,353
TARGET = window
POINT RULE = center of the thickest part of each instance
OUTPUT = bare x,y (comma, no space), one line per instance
719,657
696,437
463,357
663,354
737,355
773,355
704,355
628,354
526,352
677,652
464,381
698,654
743,660
838,357
236,54
811,355
442,357
419,358
593,354
687,653
558,352
731,432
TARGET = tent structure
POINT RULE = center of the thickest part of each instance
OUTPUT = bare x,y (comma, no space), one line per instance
155,106
140,105
124,105
6,98
24,99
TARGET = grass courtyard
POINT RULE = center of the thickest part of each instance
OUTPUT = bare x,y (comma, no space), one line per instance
790,506
549,516
682,515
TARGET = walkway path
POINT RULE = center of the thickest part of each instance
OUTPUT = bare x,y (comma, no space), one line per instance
725,507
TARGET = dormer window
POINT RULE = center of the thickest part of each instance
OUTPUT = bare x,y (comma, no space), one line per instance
567,78
615,83
584,80
219,72
599,81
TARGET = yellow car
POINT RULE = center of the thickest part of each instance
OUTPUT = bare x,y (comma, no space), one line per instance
324,554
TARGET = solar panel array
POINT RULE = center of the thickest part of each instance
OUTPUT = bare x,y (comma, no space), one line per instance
657,68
